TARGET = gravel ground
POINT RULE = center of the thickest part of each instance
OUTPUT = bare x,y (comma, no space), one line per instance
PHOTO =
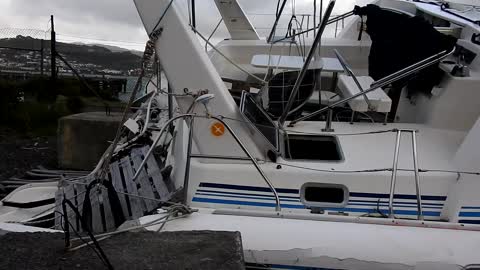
20,153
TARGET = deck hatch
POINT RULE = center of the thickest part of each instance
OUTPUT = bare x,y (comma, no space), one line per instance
309,147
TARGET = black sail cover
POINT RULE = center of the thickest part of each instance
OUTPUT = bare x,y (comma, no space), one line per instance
398,41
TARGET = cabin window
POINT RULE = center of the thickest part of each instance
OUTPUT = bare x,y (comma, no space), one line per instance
322,195
323,147
259,119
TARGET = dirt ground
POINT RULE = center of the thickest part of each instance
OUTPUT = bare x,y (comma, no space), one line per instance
22,152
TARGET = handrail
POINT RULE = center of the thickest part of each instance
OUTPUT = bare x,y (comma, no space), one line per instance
234,135
417,175
380,83
306,64
394,174
431,58
415,168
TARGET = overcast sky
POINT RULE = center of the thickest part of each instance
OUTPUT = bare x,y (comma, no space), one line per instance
116,22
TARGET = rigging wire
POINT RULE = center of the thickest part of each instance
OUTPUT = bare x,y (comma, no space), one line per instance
85,228
80,238
371,170
226,57
185,212
160,19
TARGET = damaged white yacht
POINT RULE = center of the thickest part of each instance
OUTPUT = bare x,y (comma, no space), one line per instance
394,185
399,193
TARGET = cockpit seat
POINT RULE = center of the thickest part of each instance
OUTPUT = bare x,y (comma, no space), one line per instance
379,100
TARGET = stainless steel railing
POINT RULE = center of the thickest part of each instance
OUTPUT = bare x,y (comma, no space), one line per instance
415,168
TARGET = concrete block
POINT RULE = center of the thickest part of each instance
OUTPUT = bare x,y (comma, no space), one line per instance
128,251
83,138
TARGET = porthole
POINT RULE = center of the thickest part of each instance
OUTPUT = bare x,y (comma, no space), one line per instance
323,195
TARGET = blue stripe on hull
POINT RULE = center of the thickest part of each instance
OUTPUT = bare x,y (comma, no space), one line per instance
250,188
296,191
282,199
397,196
469,214
248,203
248,194
283,205
232,193
244,197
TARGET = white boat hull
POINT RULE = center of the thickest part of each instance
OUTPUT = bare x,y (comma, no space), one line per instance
294,243
29,202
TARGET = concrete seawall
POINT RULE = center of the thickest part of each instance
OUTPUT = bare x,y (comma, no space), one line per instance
84,137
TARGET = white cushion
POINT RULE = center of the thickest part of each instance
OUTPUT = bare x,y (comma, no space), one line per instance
283,62
378,98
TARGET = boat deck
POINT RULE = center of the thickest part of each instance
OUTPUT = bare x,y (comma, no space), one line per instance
436,147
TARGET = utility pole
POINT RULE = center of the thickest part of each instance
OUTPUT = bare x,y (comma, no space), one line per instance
53,51
315,17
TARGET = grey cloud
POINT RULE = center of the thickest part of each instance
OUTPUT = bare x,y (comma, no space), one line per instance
118,19
113,11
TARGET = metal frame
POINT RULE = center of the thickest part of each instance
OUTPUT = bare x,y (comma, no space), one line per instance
243,97
395,169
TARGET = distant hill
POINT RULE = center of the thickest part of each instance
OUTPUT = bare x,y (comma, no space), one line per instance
111,48
90,59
